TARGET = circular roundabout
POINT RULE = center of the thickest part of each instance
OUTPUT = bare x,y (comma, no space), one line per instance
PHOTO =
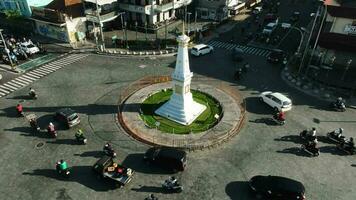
221,120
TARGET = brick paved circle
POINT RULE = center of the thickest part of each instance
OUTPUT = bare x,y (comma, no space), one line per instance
227,127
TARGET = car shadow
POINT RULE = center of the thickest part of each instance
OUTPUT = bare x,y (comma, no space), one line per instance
290,138
95,154
293,150
255,105
44,120
239,190
135,161
81,174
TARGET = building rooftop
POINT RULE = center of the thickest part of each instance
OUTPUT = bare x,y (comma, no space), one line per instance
341,11
38,3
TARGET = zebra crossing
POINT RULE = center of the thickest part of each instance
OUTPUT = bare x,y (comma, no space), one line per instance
27,78
246,49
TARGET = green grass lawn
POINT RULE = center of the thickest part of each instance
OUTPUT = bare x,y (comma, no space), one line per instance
205,121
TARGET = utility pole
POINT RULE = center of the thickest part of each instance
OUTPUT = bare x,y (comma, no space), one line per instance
100,24
6,49
195,25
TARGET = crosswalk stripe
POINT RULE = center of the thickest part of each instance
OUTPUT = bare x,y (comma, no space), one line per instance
7,88
13,82
213,43
2,94
28,77
39,72
20,79
231,46
4,91
34,75
45,70
10,86
52,67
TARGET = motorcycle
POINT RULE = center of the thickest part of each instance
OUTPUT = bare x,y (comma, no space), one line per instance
64,173
172,186
278,121
32,95
336,137
52,132
313,151
81,139
338,107
306,137
109,151
346,148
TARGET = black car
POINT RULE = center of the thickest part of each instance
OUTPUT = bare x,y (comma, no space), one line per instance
68,116
276,187
238,54
276,56
169,158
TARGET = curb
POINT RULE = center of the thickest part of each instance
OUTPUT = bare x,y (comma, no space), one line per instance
136,53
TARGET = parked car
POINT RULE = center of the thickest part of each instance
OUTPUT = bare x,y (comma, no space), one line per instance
295,17
29,48
276,100
276,56
68,116
169,158
238,54
269,28
201,49
277,188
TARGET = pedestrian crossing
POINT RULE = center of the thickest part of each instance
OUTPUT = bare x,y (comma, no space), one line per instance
29,77
247,49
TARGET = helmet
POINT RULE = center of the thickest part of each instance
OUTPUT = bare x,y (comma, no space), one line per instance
51,124
339,98
313,129
61,160
341,130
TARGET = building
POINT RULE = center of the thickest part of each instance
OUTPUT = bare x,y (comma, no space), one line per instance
23,6
216,10
61,19
101,13
151,12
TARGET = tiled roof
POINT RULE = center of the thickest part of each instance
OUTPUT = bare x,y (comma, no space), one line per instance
340,11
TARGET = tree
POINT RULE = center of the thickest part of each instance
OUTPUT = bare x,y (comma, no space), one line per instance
12,14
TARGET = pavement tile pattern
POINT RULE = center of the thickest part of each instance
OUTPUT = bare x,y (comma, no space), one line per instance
247,49
29,77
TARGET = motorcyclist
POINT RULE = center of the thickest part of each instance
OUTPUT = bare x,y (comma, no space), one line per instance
238,73
79,134
351,144
19,109
339,102
61,166
108,147
312,132
32,92
51,128
171,182
312,144
280,116
338,132
33,123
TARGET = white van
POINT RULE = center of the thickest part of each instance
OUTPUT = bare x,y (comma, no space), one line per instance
201,49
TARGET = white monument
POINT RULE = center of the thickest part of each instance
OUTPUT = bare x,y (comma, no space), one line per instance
181,107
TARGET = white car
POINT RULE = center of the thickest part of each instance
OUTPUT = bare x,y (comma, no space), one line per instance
257,10
29,48
269,28
276,100
201,49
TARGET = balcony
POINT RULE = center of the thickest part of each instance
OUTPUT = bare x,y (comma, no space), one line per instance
105,16
168,5
135,8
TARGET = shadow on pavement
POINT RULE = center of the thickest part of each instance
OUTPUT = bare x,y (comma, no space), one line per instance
353,165
290,138
95,154
136,162
254,105
64,141
239,190
81,174
293,150
264,120
325,139
23,97
150,189
332,150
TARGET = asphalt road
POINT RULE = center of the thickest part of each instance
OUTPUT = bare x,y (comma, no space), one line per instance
91,87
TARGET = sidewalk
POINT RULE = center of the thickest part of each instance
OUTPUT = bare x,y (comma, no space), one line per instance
316,89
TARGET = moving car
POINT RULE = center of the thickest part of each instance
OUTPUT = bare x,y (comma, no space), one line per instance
107,168
269,28
276,100
201,49
276,187
276,56
29,48
169,158
238,54
68,116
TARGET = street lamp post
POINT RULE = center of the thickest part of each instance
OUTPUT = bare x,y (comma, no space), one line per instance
7,50
189,13
165,33
126,42
146,31
136,29
346,69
